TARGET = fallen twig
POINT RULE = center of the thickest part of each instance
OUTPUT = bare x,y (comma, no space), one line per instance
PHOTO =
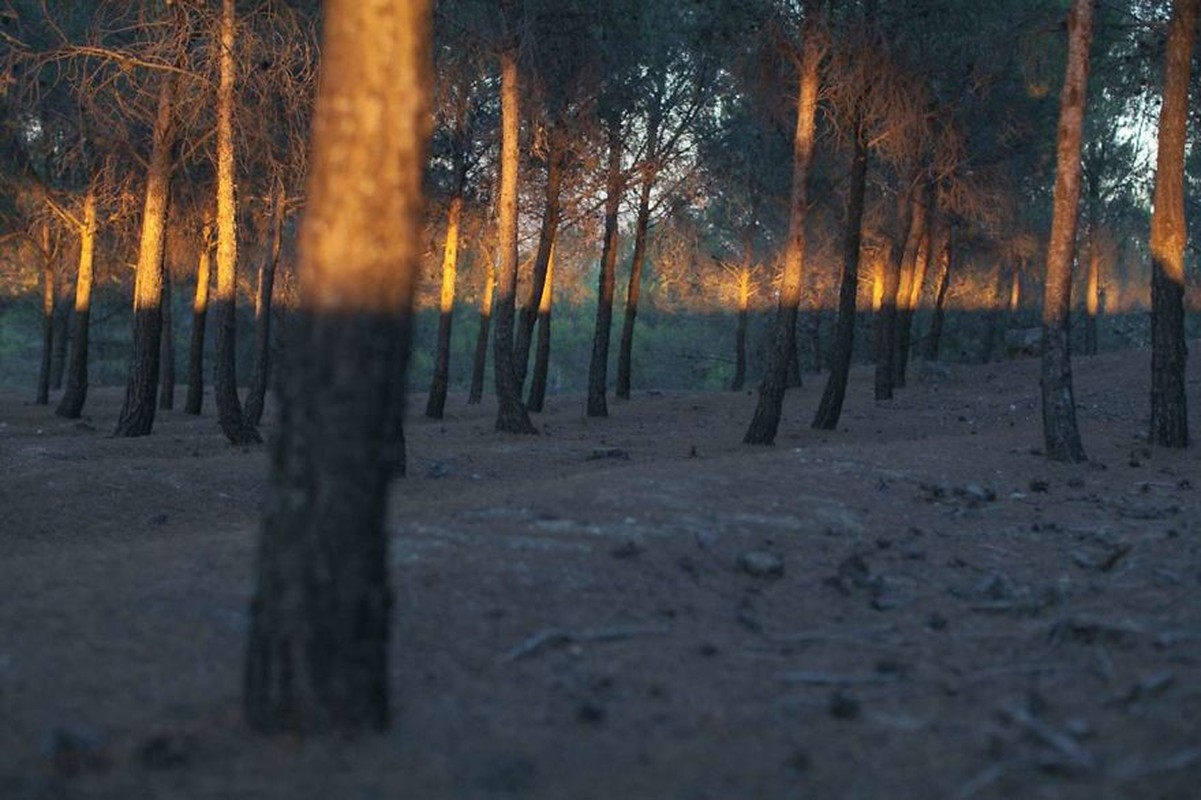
558,636
832,679
982,781
863,636
1014,669
1076,756
1178,761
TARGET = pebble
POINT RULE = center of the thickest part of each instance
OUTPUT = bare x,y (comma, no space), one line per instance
761,564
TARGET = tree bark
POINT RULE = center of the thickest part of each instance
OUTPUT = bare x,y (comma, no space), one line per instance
766,420
542,351
945,258
234,424
886,320
530,306
814,328
913,273
1091,296
996,307
638,261
598,367
440,382
137,414
48,295
257,396
511,416
200,304
1015,294
476,393
317,655
166,395
634,288
1060,433
70,405
744,314
830,408
62,334
1169,236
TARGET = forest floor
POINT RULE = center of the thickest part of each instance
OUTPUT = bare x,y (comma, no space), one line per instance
918,605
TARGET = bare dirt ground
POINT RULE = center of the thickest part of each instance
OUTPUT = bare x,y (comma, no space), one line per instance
916,606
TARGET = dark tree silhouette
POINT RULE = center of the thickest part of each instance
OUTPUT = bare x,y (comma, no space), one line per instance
318,644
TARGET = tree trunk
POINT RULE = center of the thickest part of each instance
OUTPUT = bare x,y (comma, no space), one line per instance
650,168
1060,434
48,295
257,396
511,416
945,256
634,288
531,305
830,408
744,315
542,351
71,403
237,428
62,332
440,382
480,360
598,367
814,328
137,414
166,395
200,304
886,320
921,269
766,420
1091,288
1015,295
317,655
794,353
996,305
1169,235
913,273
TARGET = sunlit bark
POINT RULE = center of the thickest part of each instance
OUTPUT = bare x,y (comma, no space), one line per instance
598,367
72,401
1169,234
625,349
913,273
49,278
137,414
944,258
830,408
766,420
744,314
1060,433
317,656
440,381
1015,293
511,416
200,303
546,238
537,395
1092,288
257,394
233,422
886,320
